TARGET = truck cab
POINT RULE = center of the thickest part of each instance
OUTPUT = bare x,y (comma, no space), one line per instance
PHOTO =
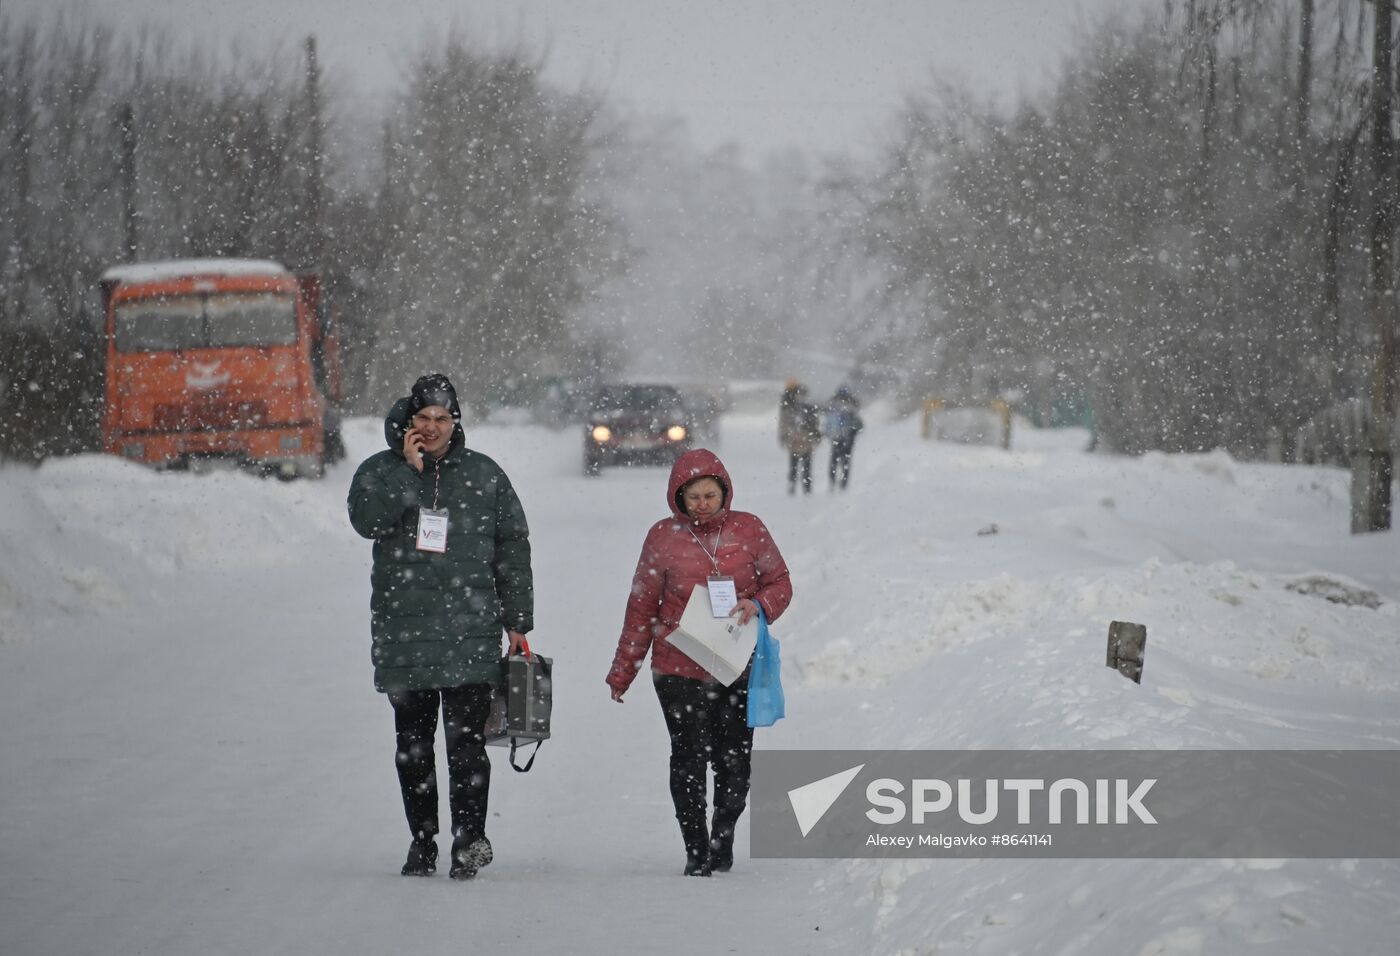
213,358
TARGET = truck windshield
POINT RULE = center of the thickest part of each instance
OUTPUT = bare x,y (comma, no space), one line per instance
215,320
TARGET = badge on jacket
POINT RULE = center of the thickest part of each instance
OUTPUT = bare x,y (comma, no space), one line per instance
723,596
432,530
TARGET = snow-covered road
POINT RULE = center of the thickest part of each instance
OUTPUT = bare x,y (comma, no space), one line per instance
194,759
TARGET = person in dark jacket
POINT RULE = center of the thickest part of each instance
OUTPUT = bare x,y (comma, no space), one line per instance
707,721
451,571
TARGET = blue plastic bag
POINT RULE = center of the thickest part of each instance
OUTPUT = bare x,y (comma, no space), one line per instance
766,703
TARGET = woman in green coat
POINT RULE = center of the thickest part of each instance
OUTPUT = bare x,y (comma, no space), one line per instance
451,572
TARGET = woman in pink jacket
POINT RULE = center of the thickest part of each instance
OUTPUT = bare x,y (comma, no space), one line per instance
707,721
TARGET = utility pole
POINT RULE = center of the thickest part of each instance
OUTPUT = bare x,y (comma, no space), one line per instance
1373,465
14,299
127,121
1304,98
312,256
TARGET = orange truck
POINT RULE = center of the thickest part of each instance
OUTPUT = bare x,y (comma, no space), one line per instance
220,358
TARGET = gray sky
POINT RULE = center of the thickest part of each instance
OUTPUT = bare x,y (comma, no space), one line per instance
820,74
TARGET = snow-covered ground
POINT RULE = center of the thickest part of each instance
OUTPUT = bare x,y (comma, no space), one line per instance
194,759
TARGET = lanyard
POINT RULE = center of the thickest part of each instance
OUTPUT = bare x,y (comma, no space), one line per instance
714,557
437,478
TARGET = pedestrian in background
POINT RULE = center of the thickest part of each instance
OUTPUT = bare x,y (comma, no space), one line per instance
702,540
842,424
799,431
787,409
451,572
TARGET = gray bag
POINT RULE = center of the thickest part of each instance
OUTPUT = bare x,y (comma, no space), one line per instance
521,706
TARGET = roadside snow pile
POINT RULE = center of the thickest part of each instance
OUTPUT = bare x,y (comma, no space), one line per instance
94,532
51,569
1215,615
177,522
1269,627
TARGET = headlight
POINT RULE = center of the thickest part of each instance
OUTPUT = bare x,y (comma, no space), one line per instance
676,433
601,432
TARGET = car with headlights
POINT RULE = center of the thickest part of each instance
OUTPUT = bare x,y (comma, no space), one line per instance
634,424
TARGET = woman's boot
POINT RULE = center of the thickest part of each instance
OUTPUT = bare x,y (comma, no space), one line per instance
697,849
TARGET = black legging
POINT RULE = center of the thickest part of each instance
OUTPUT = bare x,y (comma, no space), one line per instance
800,468
464,713
708,724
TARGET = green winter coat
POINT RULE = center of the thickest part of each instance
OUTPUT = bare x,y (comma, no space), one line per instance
436,619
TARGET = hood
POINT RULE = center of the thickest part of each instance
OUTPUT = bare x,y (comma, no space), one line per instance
396,425
697,463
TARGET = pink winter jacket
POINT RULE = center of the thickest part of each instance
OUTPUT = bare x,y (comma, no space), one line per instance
673,562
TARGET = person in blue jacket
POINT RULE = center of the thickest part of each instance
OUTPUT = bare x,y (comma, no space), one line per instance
842,424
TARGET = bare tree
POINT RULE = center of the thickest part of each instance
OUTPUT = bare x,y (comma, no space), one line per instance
495,237
1119,237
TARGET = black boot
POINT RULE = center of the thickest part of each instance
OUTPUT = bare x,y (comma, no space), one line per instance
422,857
697,863
697,848
722,850
469,854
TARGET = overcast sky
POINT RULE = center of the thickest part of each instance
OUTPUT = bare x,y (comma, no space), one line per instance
819,74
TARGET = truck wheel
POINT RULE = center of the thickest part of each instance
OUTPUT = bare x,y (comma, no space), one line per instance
334,446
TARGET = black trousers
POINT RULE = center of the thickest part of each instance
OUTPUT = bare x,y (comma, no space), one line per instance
464,713
708,724
800,468
839,470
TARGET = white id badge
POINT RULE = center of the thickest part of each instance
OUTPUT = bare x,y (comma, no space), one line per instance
432,530
722,596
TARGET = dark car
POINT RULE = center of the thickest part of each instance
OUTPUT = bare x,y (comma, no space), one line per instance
634,424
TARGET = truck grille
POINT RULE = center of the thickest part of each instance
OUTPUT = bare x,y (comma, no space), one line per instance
212,415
